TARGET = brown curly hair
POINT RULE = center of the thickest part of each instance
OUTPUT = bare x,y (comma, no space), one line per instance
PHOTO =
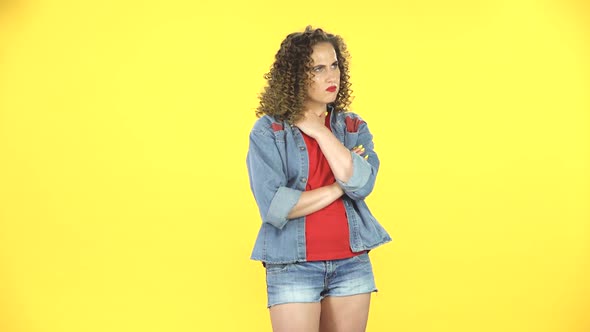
291,74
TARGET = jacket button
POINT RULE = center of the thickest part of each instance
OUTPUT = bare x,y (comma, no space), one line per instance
302,148
303,179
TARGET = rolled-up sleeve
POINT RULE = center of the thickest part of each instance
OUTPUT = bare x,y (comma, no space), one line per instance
361,170
268,180
364,171
282,203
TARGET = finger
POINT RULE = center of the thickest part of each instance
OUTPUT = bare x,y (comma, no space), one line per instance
358,149
360,152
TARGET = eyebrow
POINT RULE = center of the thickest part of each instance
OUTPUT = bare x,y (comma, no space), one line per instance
322,66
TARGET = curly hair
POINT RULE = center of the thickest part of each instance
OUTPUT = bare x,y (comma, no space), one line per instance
291,73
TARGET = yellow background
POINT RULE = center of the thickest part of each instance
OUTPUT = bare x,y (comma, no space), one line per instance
124,198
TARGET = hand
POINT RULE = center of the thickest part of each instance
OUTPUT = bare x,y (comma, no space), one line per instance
359,149
311,124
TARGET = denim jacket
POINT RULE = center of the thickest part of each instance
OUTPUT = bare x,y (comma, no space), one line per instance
278,167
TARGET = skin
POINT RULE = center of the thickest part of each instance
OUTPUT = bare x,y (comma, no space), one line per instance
325,73
332,314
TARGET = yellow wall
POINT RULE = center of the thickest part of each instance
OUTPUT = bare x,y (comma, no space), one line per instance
124,198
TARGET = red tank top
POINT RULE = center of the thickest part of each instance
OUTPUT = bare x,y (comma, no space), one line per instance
326,230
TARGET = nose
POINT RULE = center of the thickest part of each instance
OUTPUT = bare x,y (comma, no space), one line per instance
333,76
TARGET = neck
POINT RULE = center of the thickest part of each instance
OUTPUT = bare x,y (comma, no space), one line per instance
316,108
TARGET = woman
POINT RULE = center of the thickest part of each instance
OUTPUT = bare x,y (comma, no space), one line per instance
311,164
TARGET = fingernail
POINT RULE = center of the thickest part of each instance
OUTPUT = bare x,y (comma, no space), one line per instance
360,146
366,157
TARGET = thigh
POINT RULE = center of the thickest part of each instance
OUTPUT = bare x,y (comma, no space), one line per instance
345,313
295,317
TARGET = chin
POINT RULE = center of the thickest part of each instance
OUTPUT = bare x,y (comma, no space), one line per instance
329,100
324,100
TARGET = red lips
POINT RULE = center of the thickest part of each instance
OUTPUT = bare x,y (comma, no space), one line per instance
332,88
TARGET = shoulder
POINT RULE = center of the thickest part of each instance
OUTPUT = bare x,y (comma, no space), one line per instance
342,116
349,114
267,125
352,121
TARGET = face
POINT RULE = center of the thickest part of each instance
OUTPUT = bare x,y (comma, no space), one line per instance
325,75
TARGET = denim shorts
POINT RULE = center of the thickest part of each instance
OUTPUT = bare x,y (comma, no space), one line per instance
308,282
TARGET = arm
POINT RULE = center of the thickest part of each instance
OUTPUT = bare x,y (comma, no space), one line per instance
355,174
315,200
365,168
276,202
338,156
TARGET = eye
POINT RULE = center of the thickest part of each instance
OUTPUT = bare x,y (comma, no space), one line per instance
335,65
317,69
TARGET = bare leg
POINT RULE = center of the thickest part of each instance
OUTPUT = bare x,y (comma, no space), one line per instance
295,317
345,314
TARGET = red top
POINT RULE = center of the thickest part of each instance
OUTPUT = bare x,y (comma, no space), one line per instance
326,230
